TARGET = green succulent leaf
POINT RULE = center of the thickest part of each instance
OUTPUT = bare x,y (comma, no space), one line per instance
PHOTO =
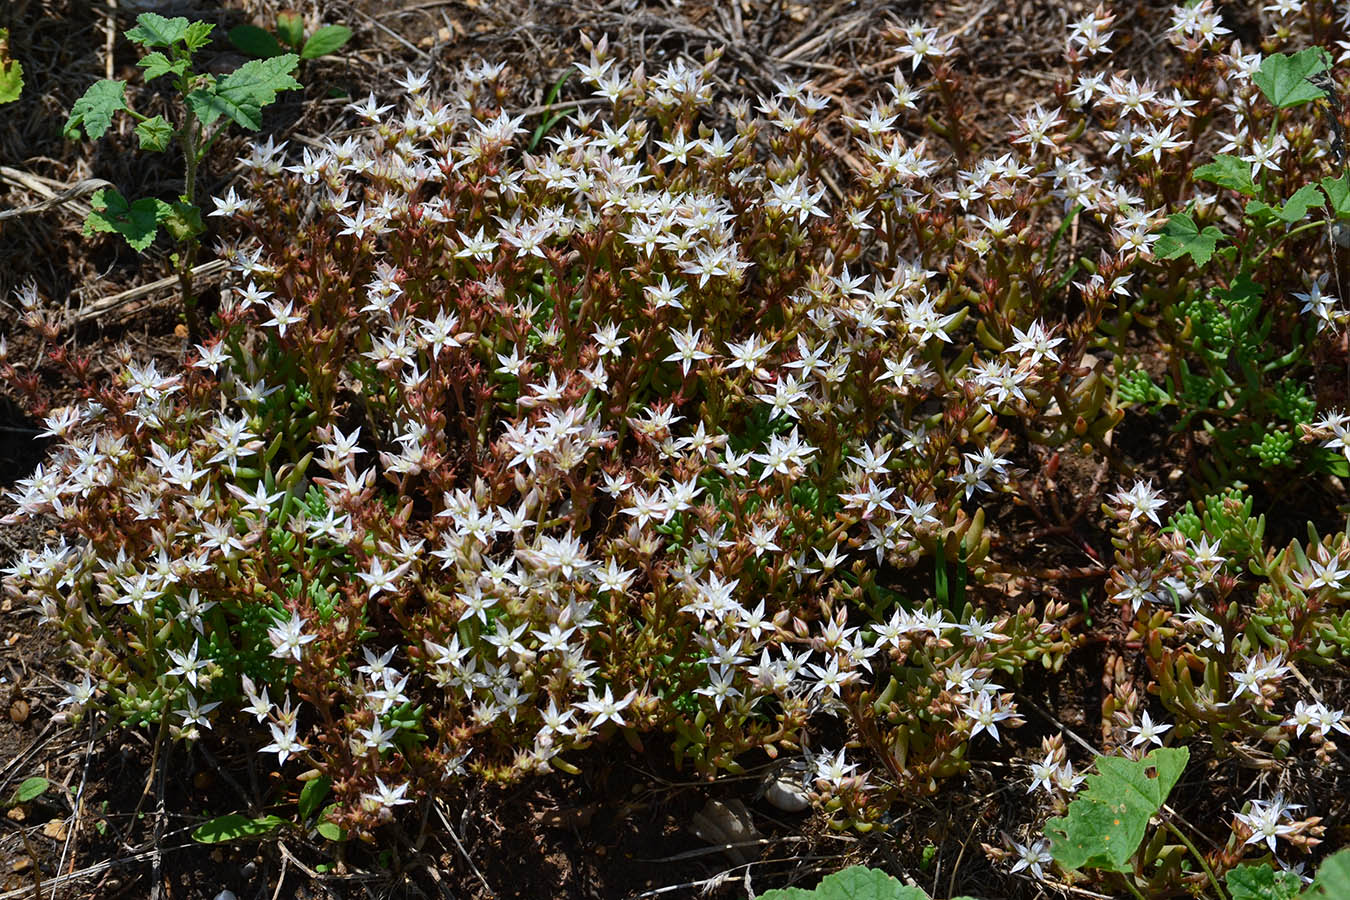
154,30
154,134
234,827
137,222
1230,172
11,72
243,93
255,41
94,111
1284,78
328,39
1108,819
1182,237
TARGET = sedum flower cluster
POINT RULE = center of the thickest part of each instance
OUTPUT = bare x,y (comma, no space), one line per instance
655,430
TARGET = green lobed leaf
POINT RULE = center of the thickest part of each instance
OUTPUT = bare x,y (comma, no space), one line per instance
154,134
1230,172
137,222
1338,194
1107,821
255,41
11,72
96,108
198,35
1284,78
1262,882
291,28
234,827
31,789
327,39
154,30
853,883
1181,237
182,220
312,794
1333,879
243,93
157,64
1295,209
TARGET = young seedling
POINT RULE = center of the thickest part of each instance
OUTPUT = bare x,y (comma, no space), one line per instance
208,106
289,38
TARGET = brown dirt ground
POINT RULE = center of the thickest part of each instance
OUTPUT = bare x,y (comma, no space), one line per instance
621,828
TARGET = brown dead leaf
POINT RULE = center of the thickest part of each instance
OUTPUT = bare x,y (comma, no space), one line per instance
55,829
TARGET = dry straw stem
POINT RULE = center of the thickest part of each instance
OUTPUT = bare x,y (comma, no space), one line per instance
54,193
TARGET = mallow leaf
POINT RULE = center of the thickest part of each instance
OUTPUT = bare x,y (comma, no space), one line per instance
853,883
1182,237
243,93
1284,78
94,111
1230,172
137,222
1262,882
1107,821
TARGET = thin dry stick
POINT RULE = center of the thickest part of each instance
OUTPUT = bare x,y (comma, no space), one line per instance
78,806
109,40
465,853
88,186
107,304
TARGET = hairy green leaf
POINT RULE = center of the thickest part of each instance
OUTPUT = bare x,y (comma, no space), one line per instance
1230,172
137,222
95,109
1295,209
1333,879
255,41
11,72
198,35
1284,78
1261,882
1181,237
156,64
154,30
328,39
1107,821
154,134
1338,194
854,883
243,93
234,827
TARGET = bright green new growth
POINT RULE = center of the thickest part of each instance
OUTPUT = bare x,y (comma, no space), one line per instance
854,883
209,106
11,72
1107,821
